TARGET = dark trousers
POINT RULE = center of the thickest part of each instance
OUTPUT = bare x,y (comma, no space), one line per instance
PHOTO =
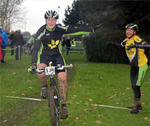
3,52
12,49
67,50
18,52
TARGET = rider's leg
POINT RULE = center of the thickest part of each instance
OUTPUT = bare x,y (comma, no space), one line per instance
62,78
136,89
137,76
43,79
133,77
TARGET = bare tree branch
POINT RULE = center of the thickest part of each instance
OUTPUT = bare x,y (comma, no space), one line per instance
10,12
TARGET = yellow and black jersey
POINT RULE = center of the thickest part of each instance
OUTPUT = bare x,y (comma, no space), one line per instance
136,56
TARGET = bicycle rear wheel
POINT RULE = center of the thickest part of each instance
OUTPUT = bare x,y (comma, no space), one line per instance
53,103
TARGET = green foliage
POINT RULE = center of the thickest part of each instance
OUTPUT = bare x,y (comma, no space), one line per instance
98,51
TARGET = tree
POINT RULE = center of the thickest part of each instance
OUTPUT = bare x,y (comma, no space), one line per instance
10,12
112,14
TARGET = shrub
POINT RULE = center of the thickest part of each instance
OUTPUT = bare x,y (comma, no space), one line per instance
98,51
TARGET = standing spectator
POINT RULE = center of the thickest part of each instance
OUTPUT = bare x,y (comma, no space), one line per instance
63,41
12,42
73,42
4,37
19,42
1,56
68,45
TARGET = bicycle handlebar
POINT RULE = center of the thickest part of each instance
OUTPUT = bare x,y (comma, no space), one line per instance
52,68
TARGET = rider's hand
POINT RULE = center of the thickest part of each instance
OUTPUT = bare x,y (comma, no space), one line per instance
98,27
109,44
32,68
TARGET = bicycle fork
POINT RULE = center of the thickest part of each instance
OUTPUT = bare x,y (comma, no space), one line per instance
56,92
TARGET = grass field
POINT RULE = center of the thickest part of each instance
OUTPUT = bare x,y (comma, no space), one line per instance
89,85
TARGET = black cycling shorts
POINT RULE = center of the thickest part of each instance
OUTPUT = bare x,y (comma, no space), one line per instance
55,59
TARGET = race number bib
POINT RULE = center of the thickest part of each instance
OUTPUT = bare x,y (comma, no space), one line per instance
50,70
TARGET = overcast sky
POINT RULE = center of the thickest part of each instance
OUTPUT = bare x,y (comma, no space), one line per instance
35,10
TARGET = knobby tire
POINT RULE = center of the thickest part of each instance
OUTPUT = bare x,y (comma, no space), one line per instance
53,107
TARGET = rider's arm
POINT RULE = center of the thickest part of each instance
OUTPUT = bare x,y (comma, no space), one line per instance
144,46
140,44
37,44
74,30
118,45
78,31
36,48
115,45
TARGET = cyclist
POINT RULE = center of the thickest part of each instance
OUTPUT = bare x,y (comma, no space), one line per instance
46,49
134,47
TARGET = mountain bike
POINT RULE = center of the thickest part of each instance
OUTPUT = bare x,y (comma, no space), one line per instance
53,91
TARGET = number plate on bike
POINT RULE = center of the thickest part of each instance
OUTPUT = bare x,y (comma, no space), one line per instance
50,70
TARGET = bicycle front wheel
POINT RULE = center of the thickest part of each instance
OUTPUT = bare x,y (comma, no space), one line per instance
54,110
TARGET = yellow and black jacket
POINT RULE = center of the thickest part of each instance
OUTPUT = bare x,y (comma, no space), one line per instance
136,56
